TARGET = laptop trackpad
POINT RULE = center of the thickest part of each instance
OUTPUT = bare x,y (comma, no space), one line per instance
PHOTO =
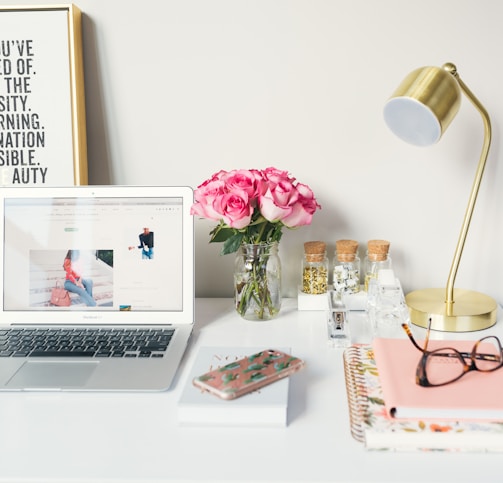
52,374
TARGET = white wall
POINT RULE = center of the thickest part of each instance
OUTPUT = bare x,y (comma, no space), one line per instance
177,90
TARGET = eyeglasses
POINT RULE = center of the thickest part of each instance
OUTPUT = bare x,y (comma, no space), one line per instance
445,365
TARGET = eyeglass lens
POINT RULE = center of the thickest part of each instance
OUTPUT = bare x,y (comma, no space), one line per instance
446,365
443,366
488,354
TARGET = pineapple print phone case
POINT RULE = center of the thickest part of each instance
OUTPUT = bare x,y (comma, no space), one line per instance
248,374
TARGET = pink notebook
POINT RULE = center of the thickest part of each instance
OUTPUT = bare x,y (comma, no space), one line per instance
476,395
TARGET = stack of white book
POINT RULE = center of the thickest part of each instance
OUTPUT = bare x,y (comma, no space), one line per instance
267,406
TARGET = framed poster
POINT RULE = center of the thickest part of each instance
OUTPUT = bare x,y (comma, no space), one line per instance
42,103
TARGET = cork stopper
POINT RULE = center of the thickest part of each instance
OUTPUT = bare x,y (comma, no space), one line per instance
378,250
315,251
346,250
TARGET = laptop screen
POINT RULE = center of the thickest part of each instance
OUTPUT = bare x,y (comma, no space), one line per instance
112,253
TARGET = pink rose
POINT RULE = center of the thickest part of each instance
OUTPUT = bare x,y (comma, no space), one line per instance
247,180
234,208
277,202
232,197
303,209
274,176
204,197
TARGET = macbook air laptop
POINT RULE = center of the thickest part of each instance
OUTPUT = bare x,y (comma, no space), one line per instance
97,287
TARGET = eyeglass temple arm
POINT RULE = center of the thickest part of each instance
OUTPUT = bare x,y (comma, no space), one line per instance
467,355
411,337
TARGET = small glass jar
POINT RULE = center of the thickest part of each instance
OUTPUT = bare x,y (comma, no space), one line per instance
315,268
377,259
346,267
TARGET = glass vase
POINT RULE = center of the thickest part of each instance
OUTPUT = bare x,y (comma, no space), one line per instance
257,281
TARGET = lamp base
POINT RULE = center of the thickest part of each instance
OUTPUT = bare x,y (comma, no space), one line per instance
471,310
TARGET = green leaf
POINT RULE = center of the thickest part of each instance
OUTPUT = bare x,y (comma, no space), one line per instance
256,376
221,234
229,377
232,244
229,367
255,367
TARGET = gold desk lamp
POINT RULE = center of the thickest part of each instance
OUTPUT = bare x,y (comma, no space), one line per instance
419,112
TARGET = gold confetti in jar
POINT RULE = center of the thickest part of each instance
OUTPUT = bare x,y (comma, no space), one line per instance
377,259
315,268
346,267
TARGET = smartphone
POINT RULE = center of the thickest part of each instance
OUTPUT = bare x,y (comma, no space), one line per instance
248,374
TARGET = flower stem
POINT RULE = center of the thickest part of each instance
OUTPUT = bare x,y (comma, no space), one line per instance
252,289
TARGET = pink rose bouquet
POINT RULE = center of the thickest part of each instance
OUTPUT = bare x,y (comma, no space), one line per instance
252,206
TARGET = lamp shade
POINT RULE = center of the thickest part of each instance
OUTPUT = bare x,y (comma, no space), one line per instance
423,105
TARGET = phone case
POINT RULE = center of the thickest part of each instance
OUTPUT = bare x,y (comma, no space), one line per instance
248,374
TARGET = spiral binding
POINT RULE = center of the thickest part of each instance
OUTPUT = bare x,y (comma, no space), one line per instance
356,392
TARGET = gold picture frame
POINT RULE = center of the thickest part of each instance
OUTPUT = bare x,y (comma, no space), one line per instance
42,99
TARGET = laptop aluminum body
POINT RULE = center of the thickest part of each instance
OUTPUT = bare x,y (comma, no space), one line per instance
136,284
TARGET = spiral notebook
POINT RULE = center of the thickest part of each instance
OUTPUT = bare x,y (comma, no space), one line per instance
371,425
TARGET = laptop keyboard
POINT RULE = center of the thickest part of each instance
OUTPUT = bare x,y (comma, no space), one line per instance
84,342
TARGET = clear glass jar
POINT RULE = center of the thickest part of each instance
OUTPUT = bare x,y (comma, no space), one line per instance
315,268
377,259
346,267
257,281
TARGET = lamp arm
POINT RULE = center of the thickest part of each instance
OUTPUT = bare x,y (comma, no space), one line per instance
475,187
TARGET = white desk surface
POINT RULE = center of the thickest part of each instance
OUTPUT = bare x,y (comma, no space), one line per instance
104,437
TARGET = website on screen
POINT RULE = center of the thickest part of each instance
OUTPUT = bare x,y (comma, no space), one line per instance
107,253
